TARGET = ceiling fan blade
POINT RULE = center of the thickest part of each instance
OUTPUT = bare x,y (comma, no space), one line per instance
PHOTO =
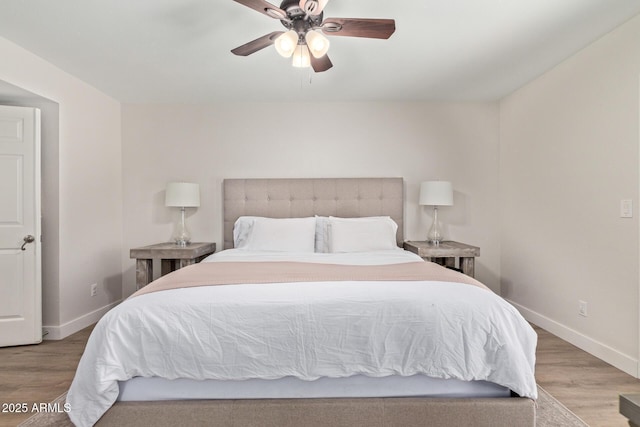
257,44
265,7
356,27
320,64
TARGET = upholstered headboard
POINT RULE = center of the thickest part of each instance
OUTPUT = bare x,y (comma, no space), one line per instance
303,197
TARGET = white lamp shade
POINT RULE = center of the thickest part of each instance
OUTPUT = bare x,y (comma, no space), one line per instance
182,195
318,44
286,43
436,193
301,57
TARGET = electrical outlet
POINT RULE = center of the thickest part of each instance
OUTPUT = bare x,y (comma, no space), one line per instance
582,308
94,289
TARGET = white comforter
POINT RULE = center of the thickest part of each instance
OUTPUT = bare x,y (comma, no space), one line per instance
308,331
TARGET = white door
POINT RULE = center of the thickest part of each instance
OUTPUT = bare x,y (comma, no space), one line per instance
20,260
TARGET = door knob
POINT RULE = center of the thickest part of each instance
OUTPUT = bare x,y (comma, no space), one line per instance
27,239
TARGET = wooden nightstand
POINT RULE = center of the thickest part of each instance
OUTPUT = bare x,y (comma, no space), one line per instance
172,258
630,408
446,253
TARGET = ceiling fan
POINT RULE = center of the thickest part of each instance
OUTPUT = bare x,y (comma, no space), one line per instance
304,22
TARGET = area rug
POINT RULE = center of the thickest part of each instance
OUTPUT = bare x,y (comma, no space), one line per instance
549,413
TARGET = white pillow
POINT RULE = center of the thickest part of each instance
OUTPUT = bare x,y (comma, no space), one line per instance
362,234
322,234
282,235
241,231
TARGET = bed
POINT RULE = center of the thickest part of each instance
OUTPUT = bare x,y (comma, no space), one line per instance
327,330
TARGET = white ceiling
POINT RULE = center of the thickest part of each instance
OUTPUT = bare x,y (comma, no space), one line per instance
178,51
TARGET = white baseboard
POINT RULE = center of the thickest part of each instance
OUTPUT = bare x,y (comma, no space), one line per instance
78,324
602,351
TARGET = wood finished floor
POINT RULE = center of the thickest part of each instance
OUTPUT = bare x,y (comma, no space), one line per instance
583,383
38,373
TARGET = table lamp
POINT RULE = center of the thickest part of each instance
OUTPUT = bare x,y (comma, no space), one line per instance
182,195
435,193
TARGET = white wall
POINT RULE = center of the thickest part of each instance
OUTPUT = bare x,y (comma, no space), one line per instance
569,154
416,141
89,177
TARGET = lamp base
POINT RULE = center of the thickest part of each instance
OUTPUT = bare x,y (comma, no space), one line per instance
182,243
434,241
434,236
181,237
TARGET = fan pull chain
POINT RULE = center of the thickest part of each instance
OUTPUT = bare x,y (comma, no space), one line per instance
302,79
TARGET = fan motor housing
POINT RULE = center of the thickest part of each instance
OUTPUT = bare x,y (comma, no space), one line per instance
298,19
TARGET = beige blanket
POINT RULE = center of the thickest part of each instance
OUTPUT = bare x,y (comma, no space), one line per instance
235,273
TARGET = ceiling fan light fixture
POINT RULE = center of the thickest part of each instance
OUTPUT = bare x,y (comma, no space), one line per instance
286,43
317,43
301,57
305,31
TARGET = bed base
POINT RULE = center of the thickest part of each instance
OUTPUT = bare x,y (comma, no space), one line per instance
348,412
